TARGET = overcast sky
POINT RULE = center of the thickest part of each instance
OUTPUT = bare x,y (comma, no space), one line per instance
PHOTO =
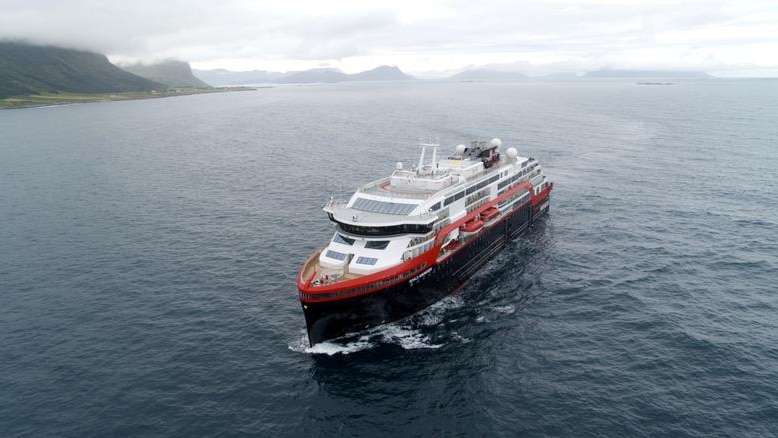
731,38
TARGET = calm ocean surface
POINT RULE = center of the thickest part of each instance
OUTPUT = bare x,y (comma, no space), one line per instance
149,249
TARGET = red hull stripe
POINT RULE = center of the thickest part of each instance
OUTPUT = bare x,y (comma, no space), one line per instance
343,293
397,274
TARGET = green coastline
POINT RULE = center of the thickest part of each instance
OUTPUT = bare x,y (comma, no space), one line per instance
64,98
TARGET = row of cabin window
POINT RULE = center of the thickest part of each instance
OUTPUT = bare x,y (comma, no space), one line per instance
514,178
506,189
514,196
454,198
471,199
471,189
518,203
482,184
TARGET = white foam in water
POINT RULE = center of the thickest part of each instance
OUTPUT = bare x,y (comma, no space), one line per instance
299,344
459,338
406,337
450,302
330,348
401,335
430,319
509,309
434,314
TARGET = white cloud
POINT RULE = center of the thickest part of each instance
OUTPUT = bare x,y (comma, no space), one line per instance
416,35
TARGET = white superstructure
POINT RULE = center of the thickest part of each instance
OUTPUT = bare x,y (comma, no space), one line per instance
394,219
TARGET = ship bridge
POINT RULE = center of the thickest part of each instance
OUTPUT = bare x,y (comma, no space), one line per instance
365,216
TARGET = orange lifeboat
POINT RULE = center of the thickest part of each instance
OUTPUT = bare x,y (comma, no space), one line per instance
472,226
452,245
489,214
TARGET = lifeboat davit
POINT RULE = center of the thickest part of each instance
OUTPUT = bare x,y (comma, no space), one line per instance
472,226
489,214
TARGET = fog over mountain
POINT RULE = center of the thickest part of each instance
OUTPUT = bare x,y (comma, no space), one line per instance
671,74
27,69
315,75
170,72
730,38
221,76
482,74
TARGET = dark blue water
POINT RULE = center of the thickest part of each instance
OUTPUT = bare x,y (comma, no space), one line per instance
149,249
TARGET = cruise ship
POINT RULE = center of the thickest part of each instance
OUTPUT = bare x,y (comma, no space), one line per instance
403,242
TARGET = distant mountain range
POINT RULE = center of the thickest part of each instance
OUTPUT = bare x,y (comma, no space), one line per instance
381,73
317,75
312,76
479,74
221,76
171,73
28,69
488,75
648,74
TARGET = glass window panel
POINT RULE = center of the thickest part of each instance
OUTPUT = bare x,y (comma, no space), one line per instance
335,255
395,208
367,260
376,244
342,239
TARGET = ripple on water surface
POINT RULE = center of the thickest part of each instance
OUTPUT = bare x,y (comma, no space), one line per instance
149,250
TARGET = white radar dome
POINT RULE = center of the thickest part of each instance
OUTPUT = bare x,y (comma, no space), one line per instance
496,142
461,149
512,153
399,165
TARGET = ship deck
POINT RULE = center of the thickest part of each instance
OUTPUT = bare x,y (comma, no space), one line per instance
385,189
321,275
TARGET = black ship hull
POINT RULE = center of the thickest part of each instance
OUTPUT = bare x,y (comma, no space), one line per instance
332,319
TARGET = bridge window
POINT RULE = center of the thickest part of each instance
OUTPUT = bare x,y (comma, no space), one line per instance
341,239
385,231
376,244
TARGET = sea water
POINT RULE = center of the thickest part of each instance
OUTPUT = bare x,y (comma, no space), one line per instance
149,253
